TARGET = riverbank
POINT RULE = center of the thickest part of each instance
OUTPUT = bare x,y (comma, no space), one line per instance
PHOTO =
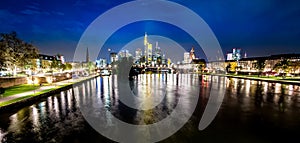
26,98
29,97
287,80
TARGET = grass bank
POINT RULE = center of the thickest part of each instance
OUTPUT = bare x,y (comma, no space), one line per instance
32,96
19,89
29,96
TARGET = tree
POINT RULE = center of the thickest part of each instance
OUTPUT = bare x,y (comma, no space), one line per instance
55,64
91,66
228,67
3,55
159,60
294,66
68,66
15,52
63,67
283,65
30,52
260,65
201,67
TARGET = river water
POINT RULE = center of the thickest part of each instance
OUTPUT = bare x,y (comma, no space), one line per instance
251,111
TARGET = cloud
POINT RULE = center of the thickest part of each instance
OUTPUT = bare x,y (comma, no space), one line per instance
74,27
37,12
36,7
9,20
81,3
30,12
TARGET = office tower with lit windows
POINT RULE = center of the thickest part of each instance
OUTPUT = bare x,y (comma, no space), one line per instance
149,53
148,50
186,57
113,57
138,54
124,54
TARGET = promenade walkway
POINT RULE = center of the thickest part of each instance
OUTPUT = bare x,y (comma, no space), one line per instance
288,80
44,88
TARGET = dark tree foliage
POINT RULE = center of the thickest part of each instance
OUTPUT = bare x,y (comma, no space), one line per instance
15,52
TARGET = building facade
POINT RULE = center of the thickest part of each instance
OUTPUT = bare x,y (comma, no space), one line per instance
272,63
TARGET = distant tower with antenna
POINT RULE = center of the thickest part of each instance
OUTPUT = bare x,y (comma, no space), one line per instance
148,49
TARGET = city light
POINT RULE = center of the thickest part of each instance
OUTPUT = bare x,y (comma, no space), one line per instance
49,79
148,72
32,80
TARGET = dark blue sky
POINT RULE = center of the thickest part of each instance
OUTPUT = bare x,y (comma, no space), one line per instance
259,27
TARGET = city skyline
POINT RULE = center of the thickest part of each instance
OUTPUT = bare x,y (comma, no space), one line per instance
149,71
161,46
258,27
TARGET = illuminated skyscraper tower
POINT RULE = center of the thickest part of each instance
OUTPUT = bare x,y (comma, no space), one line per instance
148,50
157,53
149,53
145,45
145,40
138,54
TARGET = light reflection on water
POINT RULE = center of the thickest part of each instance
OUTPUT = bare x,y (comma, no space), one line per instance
248,103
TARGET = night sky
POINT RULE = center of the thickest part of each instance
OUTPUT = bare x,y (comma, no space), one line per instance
259,27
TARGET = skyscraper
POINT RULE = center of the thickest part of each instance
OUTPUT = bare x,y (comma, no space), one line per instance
186,57
236,54
148,49
145,40
163,59
149,53
113,57
229,56
146,46
157,53
138,54
124,54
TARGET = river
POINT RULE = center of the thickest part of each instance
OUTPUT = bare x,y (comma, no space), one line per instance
251,111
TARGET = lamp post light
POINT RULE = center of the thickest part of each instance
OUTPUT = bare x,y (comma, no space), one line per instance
32,84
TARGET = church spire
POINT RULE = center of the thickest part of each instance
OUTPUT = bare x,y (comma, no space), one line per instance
192,54
87,55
